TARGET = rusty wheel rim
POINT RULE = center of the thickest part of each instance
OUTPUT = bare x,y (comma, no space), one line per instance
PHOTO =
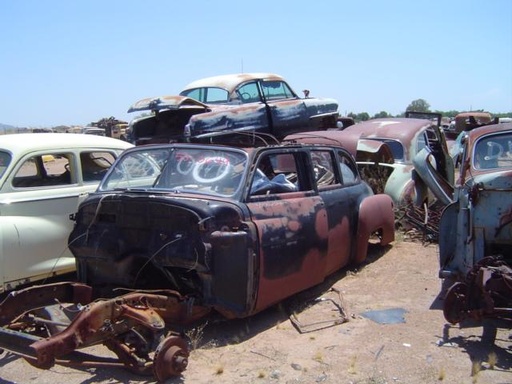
171,358
455,303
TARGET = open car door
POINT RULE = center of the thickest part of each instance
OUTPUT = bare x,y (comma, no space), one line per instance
425,166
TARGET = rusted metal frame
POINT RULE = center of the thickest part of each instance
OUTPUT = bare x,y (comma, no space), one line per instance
18,302
101,322
476,297
19,344
94,324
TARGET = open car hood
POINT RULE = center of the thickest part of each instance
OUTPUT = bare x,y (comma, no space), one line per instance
166,102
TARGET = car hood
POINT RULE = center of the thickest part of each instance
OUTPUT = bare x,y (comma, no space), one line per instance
166,103
501,180
132,200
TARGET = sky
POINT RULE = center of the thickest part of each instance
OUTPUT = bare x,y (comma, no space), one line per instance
73,62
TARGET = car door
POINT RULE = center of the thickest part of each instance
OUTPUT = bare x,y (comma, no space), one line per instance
335,182
288,113
273,107
36,198
424,165
253,113
291,222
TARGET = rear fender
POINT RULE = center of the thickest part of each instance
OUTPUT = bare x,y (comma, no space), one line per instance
375,215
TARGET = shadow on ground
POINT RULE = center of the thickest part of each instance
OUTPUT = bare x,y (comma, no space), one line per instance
217,331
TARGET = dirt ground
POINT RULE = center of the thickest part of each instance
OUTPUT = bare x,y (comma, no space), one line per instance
407,340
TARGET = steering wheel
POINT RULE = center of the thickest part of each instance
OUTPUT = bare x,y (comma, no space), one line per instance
245,96
211,169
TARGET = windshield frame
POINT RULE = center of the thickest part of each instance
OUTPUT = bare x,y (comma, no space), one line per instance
179,168
492,152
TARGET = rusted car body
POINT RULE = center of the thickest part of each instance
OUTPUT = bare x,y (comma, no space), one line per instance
248,102
475,241
466,121
188,229
384,150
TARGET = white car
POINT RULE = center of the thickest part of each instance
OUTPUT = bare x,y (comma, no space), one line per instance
43,178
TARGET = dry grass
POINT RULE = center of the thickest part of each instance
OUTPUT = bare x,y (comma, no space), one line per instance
219,370
352,366
442,374
492,359
318,356
195,335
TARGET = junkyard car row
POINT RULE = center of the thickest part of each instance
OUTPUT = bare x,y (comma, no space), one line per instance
210,228
186,227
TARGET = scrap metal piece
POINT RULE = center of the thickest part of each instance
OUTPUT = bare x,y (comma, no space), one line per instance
18,302
320,324
386,316
420,223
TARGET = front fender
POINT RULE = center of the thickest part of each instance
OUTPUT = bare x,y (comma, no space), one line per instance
32,248
250,117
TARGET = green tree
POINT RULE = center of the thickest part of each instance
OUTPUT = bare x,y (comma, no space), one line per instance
381,114
452,113
419,105
363,116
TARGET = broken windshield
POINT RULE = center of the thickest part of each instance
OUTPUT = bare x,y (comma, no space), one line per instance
203,170
196,169
136,169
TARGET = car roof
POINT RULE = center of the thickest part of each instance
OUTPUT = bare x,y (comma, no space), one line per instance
230,82
252,150
475,114
476,133
40,141
400,128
